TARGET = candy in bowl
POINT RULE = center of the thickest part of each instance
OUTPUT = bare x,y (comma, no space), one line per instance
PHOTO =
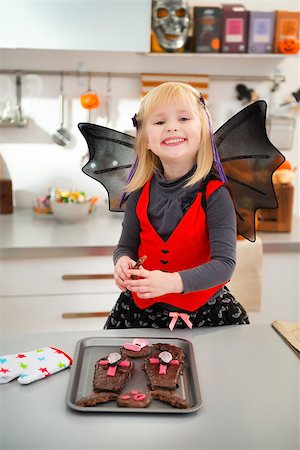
70,206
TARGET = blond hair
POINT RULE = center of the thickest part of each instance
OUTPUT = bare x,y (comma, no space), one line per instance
148,162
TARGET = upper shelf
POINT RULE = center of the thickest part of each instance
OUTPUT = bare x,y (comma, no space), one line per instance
105,36
130,64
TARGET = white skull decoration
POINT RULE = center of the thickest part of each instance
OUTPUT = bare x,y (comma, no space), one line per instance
170,21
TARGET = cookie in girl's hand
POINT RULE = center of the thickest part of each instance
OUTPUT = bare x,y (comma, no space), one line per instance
138,348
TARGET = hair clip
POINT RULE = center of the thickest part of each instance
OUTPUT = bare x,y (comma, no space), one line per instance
134,121
201,98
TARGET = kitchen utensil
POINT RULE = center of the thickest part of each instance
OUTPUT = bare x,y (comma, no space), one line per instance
6,88
61,136
12,116
20,120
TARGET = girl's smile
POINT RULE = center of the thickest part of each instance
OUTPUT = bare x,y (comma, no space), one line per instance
172,141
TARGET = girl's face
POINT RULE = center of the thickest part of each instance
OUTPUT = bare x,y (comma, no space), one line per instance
173,134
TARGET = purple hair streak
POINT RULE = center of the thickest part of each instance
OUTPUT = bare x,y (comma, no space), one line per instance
133,167
213,144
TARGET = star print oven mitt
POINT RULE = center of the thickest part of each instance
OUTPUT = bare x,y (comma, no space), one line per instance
33,365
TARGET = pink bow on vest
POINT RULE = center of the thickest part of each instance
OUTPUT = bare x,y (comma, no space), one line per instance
175,316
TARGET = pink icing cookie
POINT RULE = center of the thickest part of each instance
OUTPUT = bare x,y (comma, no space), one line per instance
138,348
134,399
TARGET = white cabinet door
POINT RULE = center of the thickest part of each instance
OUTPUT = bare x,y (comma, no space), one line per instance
23,315
54,276
46,294
108,25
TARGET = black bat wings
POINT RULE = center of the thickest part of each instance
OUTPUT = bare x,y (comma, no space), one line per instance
248,158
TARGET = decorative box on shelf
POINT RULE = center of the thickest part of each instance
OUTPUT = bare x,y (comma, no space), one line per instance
278,219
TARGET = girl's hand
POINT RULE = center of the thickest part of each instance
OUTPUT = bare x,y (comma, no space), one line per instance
121,271
153,283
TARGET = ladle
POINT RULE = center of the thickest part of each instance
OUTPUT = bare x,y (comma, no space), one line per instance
62,135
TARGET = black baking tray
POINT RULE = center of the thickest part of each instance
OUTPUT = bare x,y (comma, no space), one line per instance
89,350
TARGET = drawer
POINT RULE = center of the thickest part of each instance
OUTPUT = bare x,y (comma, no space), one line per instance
53,276
23,315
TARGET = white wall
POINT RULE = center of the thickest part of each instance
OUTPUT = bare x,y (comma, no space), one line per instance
36,163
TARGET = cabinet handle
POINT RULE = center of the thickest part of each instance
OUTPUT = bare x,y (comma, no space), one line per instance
102,276
85,314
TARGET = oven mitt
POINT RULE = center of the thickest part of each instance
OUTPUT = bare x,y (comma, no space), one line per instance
33,365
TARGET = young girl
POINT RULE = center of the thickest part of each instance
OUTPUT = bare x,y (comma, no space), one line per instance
180,215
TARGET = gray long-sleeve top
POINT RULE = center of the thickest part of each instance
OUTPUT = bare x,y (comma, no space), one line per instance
169,200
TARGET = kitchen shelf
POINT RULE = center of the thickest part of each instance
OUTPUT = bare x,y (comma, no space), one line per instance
218,55
131,64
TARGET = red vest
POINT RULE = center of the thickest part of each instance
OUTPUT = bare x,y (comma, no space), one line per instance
187,247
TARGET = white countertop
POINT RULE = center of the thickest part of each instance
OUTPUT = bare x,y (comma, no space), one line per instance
249,380
23,233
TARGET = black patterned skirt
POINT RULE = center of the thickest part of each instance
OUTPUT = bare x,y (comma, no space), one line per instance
221,310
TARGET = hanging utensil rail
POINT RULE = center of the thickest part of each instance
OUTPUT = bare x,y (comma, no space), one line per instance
76,73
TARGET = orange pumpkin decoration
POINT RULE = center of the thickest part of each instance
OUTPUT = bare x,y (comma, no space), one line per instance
289,46
90,100
285,165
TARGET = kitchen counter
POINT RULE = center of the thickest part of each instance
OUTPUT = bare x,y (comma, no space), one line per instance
23,234
249,380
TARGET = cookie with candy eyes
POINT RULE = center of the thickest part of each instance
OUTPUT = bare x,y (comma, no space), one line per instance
112,373
176,352
163,368
134,399
138,348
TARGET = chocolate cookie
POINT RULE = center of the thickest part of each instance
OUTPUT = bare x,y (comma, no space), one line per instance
96,398
176,352
138,348
171,398
164,367
112,373
134,399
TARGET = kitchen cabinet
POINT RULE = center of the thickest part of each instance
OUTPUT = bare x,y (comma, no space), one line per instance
37,292
114,25
26,315
44,276
35,255
48,269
